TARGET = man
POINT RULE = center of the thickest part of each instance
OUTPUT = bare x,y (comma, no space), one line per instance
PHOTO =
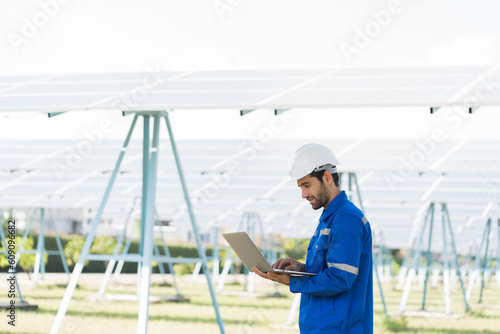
339,299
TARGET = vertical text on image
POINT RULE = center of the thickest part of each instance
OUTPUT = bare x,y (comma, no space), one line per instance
10,249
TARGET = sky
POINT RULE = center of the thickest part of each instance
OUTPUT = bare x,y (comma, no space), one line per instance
70,36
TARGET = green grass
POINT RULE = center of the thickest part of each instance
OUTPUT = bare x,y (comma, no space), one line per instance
241,314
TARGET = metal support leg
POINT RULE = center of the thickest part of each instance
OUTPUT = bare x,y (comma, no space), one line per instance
404,266
119,267
485,259
89,239
379,267
225,272
435,276
428,260
446,270
59,244
355,178
350,186
201,251
170,266
477,263
292,313
352,177
196,271
251,282
381,294
145,194
229,259
147,225
416,258
487,270
25,236
387,264
156,252
116,250
40,249
497,271
453,276
444,208
421,273
215,255
412,242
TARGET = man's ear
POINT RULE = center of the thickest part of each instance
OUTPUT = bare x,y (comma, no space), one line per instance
327,177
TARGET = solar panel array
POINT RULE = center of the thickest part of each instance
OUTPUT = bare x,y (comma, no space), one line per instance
251,89
227,179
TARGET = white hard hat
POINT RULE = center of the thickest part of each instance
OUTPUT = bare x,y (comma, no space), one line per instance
313,158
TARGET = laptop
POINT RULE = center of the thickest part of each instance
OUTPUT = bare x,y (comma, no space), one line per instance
251,257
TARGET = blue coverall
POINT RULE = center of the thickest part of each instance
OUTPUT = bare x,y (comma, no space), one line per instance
339,299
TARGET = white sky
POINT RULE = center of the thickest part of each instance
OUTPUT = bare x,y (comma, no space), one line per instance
125,36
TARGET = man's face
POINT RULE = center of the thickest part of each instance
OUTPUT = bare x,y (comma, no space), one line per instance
314,191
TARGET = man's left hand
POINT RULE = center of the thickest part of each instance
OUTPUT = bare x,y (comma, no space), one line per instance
280,278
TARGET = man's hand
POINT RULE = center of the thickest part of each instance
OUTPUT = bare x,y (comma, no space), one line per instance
280,278
289,264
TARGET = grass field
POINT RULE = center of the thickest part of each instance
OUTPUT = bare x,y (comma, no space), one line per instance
241,312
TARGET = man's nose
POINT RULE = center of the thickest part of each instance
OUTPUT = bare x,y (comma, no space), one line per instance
305,193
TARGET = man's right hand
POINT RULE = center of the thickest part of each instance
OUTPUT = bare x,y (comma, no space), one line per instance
288,263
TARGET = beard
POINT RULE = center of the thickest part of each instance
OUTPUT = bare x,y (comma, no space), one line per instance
321,199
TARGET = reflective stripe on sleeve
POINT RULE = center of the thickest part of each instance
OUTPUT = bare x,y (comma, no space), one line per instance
344,267
365,220
325,231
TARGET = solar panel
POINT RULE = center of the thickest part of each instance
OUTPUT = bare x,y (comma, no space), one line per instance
57,89
251,89
413,71
249,74
190,100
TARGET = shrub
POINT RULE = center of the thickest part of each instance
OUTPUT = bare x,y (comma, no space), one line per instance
184,268
26,261
72,251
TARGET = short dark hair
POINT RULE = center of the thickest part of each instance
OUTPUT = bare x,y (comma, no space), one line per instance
319,176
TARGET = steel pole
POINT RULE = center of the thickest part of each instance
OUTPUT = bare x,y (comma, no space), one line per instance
446,270
148,227
40,249
485,260
428,259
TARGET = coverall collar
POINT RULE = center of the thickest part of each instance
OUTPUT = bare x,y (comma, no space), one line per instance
334,204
